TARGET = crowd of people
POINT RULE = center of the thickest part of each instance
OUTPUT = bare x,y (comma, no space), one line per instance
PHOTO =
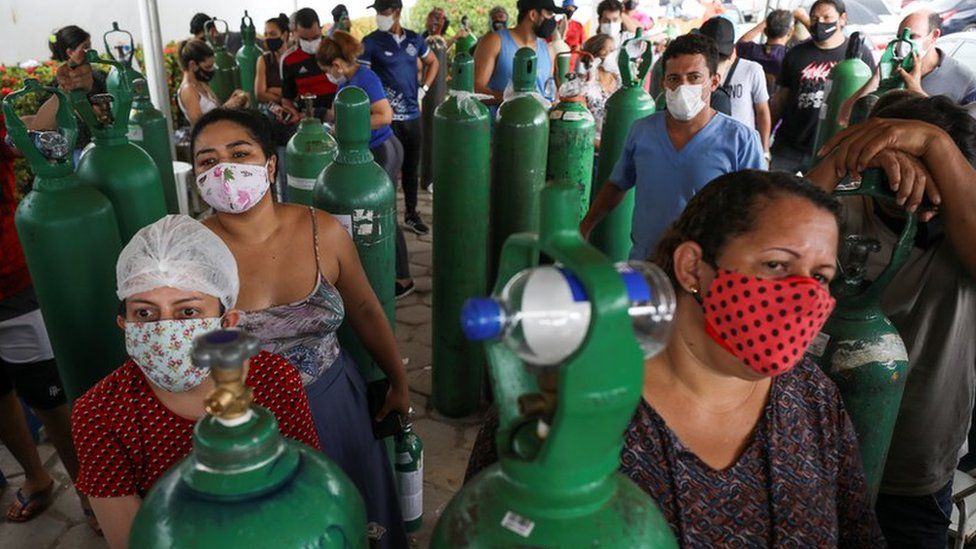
739,439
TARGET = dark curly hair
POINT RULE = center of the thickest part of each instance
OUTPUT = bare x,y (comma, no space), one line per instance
937,110
691,44
732,205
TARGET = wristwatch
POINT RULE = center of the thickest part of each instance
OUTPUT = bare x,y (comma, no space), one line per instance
425,87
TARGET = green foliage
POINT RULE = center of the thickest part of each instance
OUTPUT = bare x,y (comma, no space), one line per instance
476,10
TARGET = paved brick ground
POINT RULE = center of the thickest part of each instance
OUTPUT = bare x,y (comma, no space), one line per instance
447,443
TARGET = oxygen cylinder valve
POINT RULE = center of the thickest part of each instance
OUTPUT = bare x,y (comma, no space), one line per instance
308,100
102,106
854,258
225,353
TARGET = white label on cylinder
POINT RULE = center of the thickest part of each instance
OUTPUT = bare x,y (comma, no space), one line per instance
363,220
303,183
135,133
572,116
553,324
887,349
515,522
345,221
411,489
826,95
818,345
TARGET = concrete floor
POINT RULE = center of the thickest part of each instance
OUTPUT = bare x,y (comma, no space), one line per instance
447,443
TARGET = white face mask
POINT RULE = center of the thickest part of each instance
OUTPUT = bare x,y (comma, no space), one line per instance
337,80
162,351
309,46
233,188
384,22
611,29
685,102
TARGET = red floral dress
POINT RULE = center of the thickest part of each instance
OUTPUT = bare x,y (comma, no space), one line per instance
127,439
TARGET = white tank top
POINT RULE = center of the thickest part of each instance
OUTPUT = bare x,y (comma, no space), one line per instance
207,102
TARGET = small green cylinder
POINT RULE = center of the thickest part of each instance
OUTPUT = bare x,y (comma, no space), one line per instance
357,191
228,75
148,129
309,151
462,177
627,105
519,159
247,56
845,79
572,130
409,469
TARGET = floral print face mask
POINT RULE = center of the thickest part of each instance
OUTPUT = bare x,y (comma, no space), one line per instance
233,188
162,351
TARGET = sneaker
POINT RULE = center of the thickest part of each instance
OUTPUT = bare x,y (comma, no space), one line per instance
403,290
415,224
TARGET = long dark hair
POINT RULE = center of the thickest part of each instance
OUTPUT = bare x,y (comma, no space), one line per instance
255,124
194,50
66,38
731,205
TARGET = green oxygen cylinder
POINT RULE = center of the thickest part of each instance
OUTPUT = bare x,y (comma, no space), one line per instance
434,97
859,348
899,53
559,440
121,48
357,192
71,241
228,75
519,157
845,79
572,130
245,485
309,151
562,66
149,130
627,105
120,170
409,469
247,56
466,43
462,177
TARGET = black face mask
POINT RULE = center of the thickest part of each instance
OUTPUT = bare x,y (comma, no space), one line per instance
499,25
204,75
546,28
822,32
273,44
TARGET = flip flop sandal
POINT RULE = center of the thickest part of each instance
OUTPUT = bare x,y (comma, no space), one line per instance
35,503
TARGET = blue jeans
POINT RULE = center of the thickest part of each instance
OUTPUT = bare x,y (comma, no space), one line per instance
916,522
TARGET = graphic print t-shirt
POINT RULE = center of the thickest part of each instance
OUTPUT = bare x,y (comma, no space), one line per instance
805,71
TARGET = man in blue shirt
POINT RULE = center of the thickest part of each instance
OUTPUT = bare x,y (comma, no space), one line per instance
392,52
670,155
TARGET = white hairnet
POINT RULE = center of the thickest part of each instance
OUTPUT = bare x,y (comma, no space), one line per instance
179,252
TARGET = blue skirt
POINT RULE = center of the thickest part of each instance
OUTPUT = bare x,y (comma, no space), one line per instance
341,415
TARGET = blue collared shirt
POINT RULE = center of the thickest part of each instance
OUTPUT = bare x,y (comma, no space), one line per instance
394,60
666,179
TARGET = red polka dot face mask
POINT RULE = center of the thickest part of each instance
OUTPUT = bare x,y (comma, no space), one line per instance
766,323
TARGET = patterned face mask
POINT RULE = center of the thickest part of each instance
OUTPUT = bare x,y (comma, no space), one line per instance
162,351
766,323
233,188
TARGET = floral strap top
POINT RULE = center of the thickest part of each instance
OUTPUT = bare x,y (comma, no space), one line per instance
304,332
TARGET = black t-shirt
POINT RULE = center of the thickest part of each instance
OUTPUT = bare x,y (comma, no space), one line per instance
804,73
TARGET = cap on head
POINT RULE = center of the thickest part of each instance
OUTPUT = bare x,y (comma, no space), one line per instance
177,252
722,32
383,5
548,5
569,4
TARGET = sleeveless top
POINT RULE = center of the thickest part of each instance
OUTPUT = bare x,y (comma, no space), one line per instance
208,102
501,77
272,70
304,332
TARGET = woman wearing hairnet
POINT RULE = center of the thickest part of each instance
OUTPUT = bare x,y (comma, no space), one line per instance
176,280
301,279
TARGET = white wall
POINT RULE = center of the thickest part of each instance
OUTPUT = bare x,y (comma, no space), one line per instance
26,24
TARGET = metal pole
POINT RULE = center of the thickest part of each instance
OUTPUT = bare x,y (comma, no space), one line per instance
152,44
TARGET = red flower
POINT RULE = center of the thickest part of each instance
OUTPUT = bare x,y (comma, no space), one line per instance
3,69
30,70
4,91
